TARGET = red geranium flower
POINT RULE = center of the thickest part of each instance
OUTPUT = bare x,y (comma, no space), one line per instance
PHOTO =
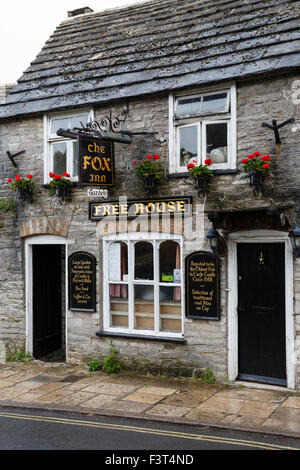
66,174
190,165
245,160
208,162
17,177
9,180
265,158
156,157
257,154
57,177
29,177
149,156
266,165
250,156
51,174
134,163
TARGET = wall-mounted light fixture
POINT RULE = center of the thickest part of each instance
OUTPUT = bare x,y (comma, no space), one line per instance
216,242
295,239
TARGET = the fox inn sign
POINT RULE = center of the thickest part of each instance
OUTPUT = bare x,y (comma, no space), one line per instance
96,162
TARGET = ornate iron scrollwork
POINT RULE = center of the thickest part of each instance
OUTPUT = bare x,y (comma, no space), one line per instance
107,123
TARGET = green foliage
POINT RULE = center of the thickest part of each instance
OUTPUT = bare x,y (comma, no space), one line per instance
111,362
256,162
199,170
57,181
208,376
94,365
24,183
7,205
20,356
149,167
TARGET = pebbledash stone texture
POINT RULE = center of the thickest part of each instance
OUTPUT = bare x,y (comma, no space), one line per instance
259,100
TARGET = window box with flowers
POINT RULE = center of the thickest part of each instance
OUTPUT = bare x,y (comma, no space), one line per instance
202,176
150,170
257,166
24,188
61,186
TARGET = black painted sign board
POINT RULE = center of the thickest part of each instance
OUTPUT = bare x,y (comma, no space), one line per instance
171,206
96,162
82,282
202,286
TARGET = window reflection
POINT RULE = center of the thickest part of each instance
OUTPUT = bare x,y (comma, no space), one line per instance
169,262
216,142
188,140
143,266
59,158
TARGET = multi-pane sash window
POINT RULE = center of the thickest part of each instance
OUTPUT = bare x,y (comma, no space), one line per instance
61,153
143,287
203,126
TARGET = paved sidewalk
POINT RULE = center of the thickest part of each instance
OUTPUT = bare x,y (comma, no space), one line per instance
55,386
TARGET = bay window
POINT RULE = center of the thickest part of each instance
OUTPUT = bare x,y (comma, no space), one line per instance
143,286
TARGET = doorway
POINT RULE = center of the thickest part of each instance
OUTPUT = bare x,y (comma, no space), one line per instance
46,298
243,339
261,312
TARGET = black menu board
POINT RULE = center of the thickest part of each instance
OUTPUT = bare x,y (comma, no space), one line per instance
82,282
202,286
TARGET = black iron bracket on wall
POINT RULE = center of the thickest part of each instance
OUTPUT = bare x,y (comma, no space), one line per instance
108,128
11,157
275,127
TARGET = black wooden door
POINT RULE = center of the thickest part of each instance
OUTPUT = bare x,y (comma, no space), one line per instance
261,312
47,299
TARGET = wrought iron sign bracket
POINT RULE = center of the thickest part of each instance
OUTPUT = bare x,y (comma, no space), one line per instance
11,157
275,127
108,128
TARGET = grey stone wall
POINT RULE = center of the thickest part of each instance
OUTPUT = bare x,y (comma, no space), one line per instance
262,100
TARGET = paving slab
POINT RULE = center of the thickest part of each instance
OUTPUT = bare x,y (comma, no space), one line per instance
169,410
53,397
97,402
125,406
143,397
110,389
221,404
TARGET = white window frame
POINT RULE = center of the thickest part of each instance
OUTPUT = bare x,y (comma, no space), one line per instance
50,139
131,239
175,123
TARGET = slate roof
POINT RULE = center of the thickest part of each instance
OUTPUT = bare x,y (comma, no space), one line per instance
157,46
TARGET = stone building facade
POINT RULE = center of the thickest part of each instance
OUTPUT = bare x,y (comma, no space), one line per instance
231,207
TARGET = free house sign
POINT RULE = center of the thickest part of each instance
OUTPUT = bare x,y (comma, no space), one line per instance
202,286
96,162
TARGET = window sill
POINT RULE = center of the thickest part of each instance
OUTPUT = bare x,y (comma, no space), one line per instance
140,337
215,172
76,184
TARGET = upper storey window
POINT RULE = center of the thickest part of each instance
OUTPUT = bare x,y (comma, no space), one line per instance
202,125
61,153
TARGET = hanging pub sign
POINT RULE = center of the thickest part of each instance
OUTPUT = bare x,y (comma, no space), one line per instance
202,286
96,162
140,208
82,282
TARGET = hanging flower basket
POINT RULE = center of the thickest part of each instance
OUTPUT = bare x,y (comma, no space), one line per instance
150,171
61,186
150,183
25,195
24,188
256,166
202,176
